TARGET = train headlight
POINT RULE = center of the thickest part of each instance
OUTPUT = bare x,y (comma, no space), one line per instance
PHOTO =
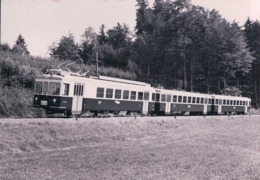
54,100
36,98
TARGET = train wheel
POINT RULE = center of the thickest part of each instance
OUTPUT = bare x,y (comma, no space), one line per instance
67,114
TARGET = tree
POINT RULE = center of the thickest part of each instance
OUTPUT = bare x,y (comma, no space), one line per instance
88,45
65,49
252,34
20,46
5,47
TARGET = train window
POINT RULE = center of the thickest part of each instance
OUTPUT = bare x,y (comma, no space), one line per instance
179,99
109,93
157,97
153,97
54,88
241,103
198,100
163,97
249,104
227,102
75,89
82,90
79,90
216,101
220,102
66,89
231,102
125,94
174,98
133,95
235,102
193,100
210,101
168,98
224,102
189,99
38,87
146,95
100,92
184,99
244,103
201,100
140,95
45,87
118,93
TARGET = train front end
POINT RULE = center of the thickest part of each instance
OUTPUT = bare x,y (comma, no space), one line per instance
49,94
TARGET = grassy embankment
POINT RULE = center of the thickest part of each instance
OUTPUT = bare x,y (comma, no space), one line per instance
128,148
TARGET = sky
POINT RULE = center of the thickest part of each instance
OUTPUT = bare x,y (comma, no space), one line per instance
43,22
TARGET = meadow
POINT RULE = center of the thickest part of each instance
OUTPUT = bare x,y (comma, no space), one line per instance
211,147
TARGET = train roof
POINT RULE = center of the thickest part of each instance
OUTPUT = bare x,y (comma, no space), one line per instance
57,73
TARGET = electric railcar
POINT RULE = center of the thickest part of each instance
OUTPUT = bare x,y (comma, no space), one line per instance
65,93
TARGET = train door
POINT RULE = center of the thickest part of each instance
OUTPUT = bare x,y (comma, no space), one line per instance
168,104
219,106
77,98
212,105
146,103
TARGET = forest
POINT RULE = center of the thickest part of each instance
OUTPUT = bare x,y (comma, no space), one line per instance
175,45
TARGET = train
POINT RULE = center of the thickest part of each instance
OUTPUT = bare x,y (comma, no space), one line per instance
67,94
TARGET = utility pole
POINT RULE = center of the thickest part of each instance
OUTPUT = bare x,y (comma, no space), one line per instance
96,62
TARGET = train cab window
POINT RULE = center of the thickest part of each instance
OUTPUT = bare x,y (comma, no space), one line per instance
157,97
184,99
66,89
100,92
227,102
201,100
140,95
146,95
198,100
244,103
224,102
54,88
168,98
216,101
163,97
133,95
189,99
174,98
109,93
45,87
125,94
231,102
210,101
153,97
38,87
118,93
179,99
193,100
240,103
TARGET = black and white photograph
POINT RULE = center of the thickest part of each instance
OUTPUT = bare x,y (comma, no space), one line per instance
129,89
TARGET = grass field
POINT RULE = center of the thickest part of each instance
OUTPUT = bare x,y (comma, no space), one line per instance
129,148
